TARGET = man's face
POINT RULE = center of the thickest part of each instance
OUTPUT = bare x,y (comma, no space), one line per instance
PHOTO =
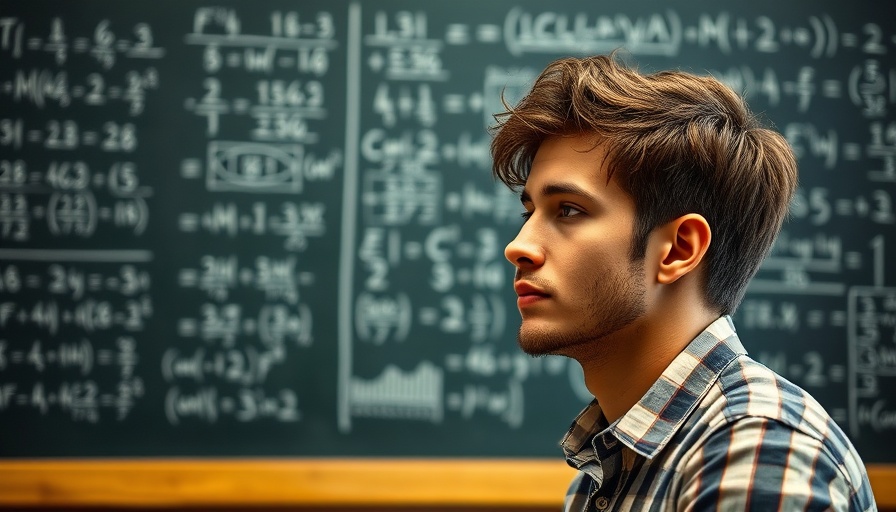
575,281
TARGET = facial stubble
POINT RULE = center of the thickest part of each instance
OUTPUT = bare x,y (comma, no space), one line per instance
617,300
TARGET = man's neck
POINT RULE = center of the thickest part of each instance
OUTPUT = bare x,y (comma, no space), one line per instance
624,368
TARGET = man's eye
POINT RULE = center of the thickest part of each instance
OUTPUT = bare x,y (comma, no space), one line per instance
525,215
569,211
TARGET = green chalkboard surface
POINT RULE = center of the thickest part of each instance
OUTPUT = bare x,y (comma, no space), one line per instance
268,228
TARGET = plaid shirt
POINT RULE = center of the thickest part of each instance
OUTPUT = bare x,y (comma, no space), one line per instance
717,431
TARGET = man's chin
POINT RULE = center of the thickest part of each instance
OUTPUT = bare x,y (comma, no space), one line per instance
539,341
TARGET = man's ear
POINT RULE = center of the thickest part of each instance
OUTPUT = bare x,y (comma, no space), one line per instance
685,241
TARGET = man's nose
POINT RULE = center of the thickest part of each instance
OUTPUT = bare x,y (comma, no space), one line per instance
525,251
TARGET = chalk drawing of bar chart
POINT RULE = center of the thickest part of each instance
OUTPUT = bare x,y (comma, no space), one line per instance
395,394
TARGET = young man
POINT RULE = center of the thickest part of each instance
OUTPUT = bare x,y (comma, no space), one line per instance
650,202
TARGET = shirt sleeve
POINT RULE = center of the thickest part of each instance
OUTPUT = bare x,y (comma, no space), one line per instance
760,464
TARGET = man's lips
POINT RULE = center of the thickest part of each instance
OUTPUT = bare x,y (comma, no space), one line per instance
528,294
524,288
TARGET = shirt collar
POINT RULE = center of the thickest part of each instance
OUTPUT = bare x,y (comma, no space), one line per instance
651,423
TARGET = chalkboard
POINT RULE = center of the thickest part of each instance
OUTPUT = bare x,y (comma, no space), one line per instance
262,229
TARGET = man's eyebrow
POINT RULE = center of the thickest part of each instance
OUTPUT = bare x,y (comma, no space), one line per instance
553,189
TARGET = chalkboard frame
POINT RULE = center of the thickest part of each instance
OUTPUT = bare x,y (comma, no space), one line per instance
306,482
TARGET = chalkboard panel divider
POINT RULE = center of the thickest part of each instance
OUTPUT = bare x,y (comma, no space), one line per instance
308,482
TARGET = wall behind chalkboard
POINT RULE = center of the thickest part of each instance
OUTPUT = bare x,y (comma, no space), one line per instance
268,228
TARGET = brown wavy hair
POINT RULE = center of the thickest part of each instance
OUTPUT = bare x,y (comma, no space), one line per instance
677,143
